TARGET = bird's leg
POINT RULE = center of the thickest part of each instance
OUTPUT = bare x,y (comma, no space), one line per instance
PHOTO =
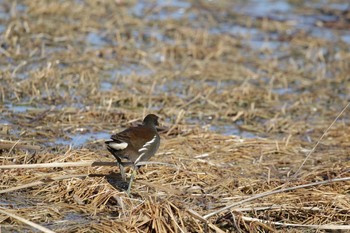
121,167
120,163
122,171
131,180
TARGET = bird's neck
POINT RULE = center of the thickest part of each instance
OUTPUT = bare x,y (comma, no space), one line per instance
149,125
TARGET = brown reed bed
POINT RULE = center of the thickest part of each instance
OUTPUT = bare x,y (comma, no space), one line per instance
74,72
212,171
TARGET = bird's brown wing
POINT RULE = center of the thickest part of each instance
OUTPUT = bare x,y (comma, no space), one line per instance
123,136
141,133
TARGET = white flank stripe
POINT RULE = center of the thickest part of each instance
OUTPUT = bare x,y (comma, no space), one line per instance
145,148
118,146
150,142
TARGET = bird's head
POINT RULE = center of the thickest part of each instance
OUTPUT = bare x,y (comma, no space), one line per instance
151,119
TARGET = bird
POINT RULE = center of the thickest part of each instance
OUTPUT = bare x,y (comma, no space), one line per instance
135,144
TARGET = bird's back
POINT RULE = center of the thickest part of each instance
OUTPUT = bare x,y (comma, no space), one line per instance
135,144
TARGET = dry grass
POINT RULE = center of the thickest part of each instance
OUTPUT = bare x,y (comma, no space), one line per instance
212,171
73,68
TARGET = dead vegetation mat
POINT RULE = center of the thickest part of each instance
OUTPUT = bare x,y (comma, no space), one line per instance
211,171
73,68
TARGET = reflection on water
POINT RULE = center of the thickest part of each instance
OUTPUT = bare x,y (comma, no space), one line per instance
231,129
173,9
77,140
18,108
95,39
263,8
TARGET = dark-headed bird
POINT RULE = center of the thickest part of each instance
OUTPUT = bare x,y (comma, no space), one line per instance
135,144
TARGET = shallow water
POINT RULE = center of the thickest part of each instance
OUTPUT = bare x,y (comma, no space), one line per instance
79,140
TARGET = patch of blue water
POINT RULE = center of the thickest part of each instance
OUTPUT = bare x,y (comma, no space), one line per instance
96,40
77,140
180,7
231,129
18,108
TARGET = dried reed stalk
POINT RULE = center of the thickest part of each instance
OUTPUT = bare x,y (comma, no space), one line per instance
26,221
46,180
319,140
260,195
88,163
318,227
11,145
50,165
